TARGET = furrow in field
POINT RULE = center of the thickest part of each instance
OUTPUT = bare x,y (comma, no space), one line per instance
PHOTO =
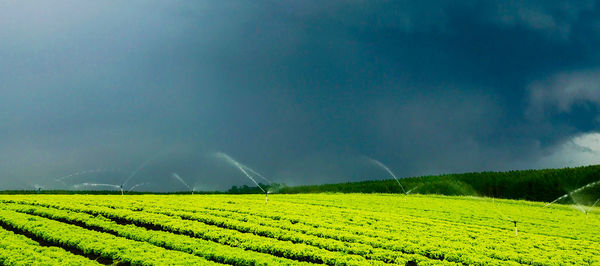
462,234
206,249
391,228
95,243
296,251
405,242
18,249
542,225
470,238
411,244
388,221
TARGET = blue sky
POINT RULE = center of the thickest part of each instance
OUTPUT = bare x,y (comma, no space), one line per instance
300,91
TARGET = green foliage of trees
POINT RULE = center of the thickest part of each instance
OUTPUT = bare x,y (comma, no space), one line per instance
536,185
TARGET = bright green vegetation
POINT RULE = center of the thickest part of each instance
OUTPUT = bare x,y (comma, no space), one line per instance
332,229
535,185
20,250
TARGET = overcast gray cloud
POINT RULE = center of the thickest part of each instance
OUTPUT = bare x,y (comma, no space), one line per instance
300,91
561,91
554,17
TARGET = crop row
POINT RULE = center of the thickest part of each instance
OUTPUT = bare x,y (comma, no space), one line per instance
411,244
381,247
377,222
368,231
17,249
96,243
444,241
207,249
556,220
286,249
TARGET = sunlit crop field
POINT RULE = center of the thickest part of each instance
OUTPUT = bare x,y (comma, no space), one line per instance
333,229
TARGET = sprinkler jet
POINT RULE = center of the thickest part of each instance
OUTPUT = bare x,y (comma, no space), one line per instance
583,208
176,176
84,173
144,164
136,185
246,171
412,189
570,194
384,167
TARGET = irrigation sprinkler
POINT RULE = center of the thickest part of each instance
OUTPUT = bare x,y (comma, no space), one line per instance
37,188
504,217
196,187
579,206
570,194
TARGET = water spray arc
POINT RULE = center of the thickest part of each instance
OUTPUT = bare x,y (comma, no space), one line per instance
413,189
596,202
135,186
256,173
38,188
244,169
176,176
64,178
121,187
140,167
380,164
570,194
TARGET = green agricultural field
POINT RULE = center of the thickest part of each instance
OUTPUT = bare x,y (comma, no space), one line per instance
333,229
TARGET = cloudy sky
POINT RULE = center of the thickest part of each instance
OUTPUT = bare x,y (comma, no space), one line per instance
300,91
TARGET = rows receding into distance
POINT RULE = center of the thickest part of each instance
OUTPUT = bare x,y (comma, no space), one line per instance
335,229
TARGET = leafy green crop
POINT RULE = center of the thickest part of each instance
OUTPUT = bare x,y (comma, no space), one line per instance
333,229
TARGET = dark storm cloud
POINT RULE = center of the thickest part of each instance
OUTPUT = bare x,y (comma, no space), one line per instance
297,90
